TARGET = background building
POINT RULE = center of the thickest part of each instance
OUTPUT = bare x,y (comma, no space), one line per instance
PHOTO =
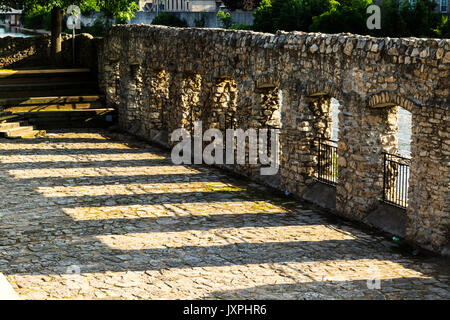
443,6
12,17
179,5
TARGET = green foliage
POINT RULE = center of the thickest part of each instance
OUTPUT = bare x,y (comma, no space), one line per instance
399,18
403,19
420,17
225,19
263,17
241,27
288,15
30,5
392,22
99,28
241,4
343,16
200,23
37,18
292,15
233,4
167,19
443,28
122,10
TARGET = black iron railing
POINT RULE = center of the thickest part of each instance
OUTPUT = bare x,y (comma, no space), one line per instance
395,180
327,170
269,128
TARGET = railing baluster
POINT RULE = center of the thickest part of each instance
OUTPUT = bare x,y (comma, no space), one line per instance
405,185
395,180
327,161
384,176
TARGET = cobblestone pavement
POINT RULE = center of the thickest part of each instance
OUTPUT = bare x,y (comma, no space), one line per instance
94,215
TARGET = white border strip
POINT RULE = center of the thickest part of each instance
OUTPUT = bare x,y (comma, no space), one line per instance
6,290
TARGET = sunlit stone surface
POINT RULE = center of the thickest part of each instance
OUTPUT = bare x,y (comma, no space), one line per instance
137,227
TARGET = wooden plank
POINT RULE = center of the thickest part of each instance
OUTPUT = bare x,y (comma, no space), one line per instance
55,107
3,118
61,113
49,100
7,73
47,86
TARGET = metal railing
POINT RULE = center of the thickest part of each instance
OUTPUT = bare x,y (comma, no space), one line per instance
395,180
327,170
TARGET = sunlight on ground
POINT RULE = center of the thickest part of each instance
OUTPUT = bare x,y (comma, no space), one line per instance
100,172
172,210
222,236
130,189
216,282
142,231
79,158
64,146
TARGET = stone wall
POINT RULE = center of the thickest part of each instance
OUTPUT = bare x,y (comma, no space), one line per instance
164,78
35,52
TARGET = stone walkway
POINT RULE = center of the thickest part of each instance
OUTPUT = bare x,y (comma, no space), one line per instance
92,215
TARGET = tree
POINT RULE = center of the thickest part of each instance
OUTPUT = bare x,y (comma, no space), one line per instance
233,4
443,28
263,17
343,16
250,4
399,18
200,23
420,17
225,18
241,4
122,9
170,20
288,15
392,23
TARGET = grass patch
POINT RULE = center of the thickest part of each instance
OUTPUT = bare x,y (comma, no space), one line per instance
216,188
262,206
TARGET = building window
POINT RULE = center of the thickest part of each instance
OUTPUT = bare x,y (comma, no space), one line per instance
444,6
